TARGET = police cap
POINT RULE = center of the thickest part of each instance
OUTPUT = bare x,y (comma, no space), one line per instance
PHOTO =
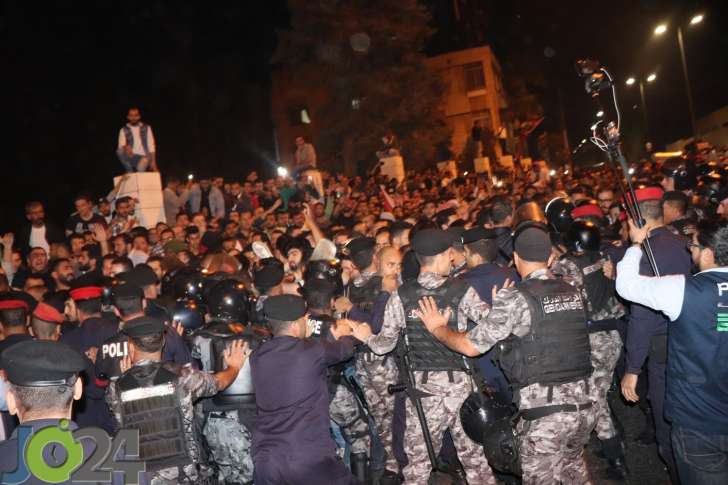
41,363
431,242
477,234
143,326
285,308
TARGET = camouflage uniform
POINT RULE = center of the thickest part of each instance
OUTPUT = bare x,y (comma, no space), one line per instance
191,386
229,443
375,373
445,397
606,347
551,448
344,411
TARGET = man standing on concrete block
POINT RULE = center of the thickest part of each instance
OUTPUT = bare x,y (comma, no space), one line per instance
136,149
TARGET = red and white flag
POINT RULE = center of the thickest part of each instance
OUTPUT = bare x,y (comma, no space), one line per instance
387,200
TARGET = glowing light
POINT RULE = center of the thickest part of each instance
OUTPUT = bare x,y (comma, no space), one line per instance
600,113
282,171
552,172
696,19
660,29
630,81
465,173
594,126
566,172
651,77
630,171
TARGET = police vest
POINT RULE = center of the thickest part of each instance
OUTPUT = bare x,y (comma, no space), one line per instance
598,287
149,403
111,353
363,296
129,137
556,350
321,326
697,364
426,353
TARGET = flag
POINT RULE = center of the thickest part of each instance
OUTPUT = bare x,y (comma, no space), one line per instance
387,200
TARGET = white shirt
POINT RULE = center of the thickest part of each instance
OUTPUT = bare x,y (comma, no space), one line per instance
664,294
38,238
138,148
137,257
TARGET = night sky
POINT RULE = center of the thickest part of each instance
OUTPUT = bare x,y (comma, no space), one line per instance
199,71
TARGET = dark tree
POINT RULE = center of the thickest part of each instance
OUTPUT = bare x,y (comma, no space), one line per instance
366,57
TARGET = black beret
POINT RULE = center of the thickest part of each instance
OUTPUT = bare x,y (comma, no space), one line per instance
457,233
268,276
41,363
285,308
86,280
431,242
143,326
318,285
142,275
532,242
57,299
675,195
127,290
477,234
360,244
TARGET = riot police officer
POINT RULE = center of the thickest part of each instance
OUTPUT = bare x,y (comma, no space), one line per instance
230,415
129,303
544,353
585,264
441,374
157,398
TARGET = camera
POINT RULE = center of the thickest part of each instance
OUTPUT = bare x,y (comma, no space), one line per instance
595,79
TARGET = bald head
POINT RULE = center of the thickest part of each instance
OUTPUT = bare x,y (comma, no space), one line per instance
389,262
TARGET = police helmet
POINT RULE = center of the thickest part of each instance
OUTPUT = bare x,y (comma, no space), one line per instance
486,419
558,214
325,269
583,236
229,300
184,282
682,171
190,313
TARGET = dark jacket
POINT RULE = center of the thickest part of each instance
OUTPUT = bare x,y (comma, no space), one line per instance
54,234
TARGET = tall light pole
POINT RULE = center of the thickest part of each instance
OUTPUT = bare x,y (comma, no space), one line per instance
650,79
661,29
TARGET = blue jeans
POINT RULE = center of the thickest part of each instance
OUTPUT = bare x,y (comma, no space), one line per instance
701,459
132,163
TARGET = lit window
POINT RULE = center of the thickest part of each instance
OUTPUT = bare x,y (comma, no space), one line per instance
474,76
304,117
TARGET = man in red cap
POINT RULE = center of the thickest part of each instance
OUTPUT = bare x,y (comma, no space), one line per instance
647,329
45,323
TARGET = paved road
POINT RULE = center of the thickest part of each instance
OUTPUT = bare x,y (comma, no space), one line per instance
644,465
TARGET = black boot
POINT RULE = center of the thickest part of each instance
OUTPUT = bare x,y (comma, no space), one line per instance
359,466
647,436
613,451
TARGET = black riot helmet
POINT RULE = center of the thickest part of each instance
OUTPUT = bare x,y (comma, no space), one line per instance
682,171
583,236
487,419
229,300
325,269
190,313
184,282
558,214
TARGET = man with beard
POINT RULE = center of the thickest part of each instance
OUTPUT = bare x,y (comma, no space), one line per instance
62,274
39,233
124,219
298,251
136,149
37,261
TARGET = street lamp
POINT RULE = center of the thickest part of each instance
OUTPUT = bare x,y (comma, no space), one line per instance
600,113
650,79
661,29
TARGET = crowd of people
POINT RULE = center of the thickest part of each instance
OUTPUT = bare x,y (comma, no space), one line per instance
330,329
